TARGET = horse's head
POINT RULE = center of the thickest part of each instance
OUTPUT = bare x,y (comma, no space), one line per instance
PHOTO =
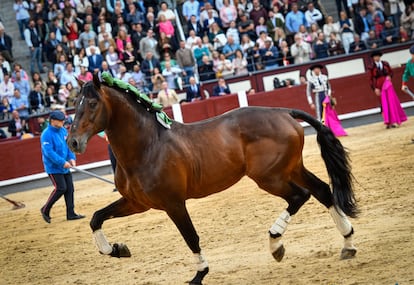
90,115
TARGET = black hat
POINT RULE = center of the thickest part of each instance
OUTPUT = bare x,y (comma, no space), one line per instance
376,53
412,49
317,65
57,115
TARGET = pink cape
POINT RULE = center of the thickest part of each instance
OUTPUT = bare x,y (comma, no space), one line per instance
330,118
392,112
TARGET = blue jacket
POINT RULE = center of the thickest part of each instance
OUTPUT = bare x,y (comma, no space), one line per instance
55,151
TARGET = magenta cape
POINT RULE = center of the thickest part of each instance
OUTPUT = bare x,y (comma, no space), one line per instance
392,112
330,118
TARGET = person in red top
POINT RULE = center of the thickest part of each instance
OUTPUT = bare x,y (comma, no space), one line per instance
380,80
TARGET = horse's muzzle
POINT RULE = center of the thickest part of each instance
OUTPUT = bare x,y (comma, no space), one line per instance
76,145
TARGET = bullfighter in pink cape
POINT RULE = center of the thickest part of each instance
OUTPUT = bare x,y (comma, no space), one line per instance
330,118
380,81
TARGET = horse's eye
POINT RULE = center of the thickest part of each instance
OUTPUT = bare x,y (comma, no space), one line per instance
92,105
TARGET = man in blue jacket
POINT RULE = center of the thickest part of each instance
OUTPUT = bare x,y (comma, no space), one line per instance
57,160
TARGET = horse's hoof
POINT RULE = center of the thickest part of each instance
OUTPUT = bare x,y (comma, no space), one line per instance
199,277
120,250
279,253
348,253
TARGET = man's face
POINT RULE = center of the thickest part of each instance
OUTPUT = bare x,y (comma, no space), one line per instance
56,123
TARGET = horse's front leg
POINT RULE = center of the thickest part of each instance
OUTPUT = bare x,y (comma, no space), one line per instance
182,220
119,208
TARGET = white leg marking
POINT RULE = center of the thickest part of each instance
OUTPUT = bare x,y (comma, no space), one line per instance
101,242
341,221
201,261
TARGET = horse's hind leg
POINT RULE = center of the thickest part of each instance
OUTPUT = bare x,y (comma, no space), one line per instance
321,191
119,208
179,215
295,196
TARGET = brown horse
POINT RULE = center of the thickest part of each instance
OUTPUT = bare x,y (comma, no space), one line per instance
162,167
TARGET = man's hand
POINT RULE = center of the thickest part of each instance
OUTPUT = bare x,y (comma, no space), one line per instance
377,92
67,165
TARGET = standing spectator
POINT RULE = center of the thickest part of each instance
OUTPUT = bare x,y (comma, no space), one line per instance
34,43
17,125
375,18
330,27
36,99
185,60
346,30
21,8
228,13
221,88
149,44
20,104
321,47
191,8
380,81
300,50
257,12
193,91
293,20
167,96
344,3
357,45
313,16
361,24
57,160
6,45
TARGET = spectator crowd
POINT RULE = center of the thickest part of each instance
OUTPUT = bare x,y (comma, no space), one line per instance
162,46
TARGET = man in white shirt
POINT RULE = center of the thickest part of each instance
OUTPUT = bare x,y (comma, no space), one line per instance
6,87
312,15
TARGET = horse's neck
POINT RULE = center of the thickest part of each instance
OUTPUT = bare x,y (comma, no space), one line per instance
130,131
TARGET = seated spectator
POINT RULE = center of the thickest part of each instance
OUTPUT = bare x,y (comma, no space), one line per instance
285,55
275,21
294,19
63,95
105,43
217,37
191,8
330,27
361,24
230,48
270,55
306,36
68,75
244,6
314,31
172,75
389,34
261,27
17,125
221,88
5,65
149,63
208,45
167,59
227,14
73,93
121,40
373,42
36,99
165,45
233,32
80,59
165,26
257,12
134,16
156,80
357,45
185,61
20,104
87,35
239,63
246,44
335,45
50,97
84,74
192,39
50,47
37,78
123,73
375,18
129,57
6,109
223,66
148,44
407,19
6,87
103,27
139,78
200,51
300,50
321,47
404,37
95,61
113,60
42,124
261,40
167,96
18,69
150,22
205,69
60,66
193,91
246,26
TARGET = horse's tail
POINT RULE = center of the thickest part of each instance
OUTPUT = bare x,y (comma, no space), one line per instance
337,163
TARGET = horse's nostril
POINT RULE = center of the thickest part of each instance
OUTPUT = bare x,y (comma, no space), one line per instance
74,143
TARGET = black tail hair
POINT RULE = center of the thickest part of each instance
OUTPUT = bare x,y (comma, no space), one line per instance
337,162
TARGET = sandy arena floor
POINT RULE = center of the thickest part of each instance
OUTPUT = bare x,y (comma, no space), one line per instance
233,229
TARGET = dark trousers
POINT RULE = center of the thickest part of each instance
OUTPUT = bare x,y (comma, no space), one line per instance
63,187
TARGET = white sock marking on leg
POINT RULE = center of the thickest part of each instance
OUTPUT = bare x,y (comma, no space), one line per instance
101,242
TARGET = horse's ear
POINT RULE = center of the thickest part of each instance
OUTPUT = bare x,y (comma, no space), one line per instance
96,81
80,82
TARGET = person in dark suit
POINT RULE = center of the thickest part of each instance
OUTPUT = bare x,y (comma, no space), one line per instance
195,25
6,45
221,88
193,91
149,63
95,61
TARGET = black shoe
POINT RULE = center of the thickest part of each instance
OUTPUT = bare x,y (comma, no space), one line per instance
76,217
45,217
